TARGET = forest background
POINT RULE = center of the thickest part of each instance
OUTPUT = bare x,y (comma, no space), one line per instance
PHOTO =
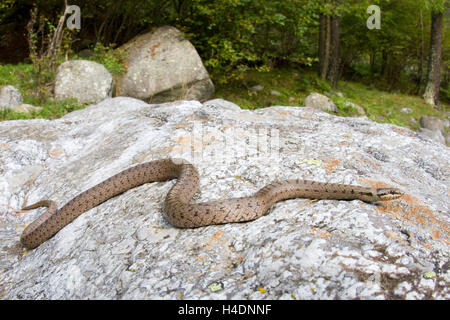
293,46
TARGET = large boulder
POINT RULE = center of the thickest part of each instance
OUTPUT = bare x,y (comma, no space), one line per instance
432,127
164,66
87,81
10,97
302,249
320,102
353,105
431,123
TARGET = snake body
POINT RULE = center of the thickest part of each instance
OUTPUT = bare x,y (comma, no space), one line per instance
177,207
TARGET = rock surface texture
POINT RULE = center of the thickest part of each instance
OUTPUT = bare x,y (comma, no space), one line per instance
163,66
87,81
302,249
26,108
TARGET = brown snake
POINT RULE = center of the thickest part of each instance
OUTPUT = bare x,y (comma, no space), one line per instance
177,207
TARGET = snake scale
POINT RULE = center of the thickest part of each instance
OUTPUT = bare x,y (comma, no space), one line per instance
177,207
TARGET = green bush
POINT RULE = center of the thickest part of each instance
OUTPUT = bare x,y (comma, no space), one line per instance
112,59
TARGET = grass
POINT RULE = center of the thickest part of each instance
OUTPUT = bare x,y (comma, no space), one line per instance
294,85
17,75
386,107
21,77
50,110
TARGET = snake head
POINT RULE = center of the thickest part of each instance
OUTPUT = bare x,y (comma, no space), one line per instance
389,193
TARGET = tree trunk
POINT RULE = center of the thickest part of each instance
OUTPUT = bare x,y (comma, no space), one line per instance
321,47
57,35
324,45
333,68
373,54
422,57
432,87
384,63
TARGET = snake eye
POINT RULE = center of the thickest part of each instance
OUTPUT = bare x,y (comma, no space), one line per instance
389,193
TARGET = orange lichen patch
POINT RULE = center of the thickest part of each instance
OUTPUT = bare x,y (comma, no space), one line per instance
283,112
374,183
182,143
55,152
198,145
343,143
427,246
435,234
160,153
216,238
398,130
218,242
153,50
185,123
185,140
181,125
393,236
192,143
329,165
413,211
418,214
402,131
169,150
320,233
4,145
324,234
